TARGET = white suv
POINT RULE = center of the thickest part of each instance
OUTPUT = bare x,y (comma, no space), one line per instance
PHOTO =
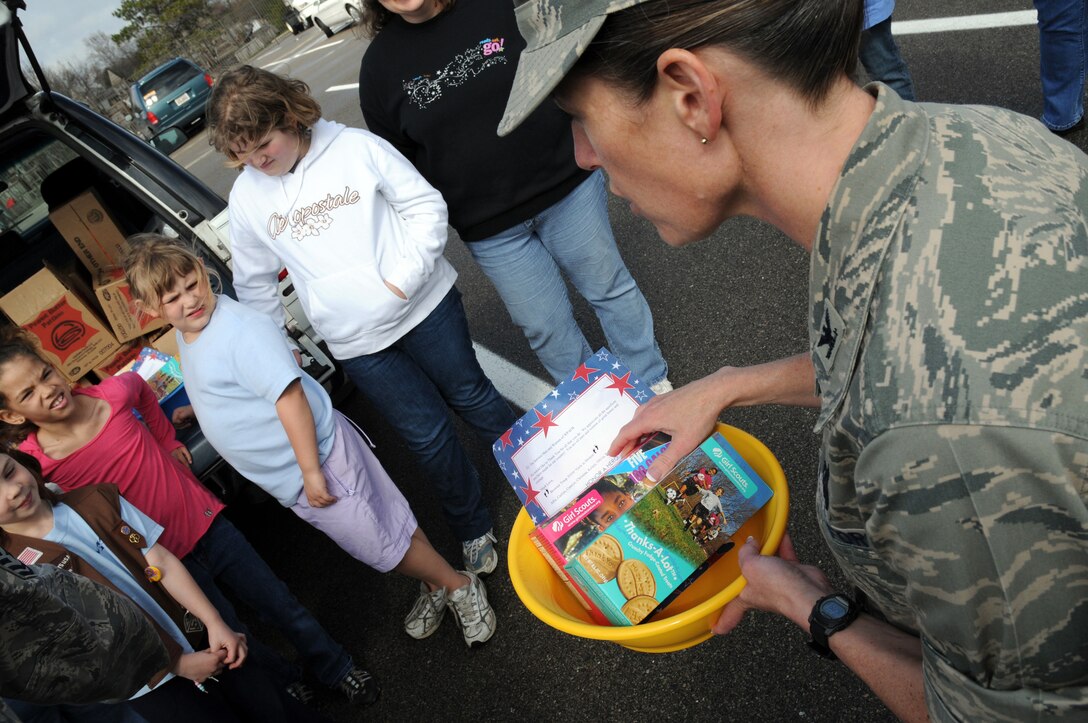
328,15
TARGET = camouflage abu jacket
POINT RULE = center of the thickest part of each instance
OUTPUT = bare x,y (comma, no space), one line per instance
67,639
949,336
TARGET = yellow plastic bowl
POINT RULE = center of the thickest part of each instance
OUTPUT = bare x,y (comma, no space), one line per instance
687,620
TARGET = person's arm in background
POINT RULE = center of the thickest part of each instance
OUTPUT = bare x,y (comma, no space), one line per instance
256,270
227,646
298,422
421,213
689,413
144,401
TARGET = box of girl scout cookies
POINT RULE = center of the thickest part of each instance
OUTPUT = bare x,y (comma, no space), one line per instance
633,564
70,335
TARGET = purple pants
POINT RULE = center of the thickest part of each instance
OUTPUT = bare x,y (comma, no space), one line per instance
370,519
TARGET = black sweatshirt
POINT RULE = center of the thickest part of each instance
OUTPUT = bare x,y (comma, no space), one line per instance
437,90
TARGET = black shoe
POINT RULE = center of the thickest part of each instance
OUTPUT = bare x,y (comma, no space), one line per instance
301,692
359,686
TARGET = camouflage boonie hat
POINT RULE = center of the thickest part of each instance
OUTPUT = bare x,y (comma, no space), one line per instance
557,33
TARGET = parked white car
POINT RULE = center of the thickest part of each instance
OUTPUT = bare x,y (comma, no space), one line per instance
330,16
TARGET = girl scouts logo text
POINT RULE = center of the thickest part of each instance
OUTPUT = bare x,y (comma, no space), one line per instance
311,220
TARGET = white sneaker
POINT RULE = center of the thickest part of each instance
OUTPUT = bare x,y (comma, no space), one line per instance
480,555
470,607
426,614
662,387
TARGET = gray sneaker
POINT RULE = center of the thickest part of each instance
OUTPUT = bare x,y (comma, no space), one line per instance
470,607
426,614
480,555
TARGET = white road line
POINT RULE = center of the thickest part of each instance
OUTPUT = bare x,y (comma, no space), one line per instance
964,22
324,46
520,387
349,86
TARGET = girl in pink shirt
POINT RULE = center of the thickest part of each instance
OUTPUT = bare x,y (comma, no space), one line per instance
90,435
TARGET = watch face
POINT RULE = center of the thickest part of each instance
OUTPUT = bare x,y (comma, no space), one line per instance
833,609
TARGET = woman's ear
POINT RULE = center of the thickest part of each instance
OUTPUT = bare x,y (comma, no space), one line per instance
694,92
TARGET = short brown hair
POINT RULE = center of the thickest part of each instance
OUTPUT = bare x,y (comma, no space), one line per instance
154,263
248,103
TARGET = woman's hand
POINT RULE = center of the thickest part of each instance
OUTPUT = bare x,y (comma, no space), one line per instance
317,489
222,638
201,665
687,414
182,455
778,584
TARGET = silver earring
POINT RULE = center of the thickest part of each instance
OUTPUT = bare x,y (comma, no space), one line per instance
704,141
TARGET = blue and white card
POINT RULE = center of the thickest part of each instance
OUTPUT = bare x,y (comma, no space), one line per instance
560,447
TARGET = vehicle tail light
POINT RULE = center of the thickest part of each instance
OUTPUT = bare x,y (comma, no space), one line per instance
208,80
152,118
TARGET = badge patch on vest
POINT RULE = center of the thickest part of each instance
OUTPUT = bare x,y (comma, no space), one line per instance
830,333
130,534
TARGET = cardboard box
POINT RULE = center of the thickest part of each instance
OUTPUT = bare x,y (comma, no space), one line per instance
71,336
167,343
115,298
87,227
127,355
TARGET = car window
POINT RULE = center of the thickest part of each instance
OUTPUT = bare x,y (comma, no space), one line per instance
166,81
21,176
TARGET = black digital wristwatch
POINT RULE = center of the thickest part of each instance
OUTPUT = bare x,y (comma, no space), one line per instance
831,614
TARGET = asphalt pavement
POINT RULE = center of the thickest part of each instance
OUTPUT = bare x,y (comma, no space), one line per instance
736,298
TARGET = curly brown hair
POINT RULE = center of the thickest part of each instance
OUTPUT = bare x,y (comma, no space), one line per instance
248,103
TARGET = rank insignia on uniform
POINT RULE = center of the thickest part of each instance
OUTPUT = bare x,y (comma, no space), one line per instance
830,333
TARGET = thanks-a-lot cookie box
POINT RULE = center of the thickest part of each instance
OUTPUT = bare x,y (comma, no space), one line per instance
644,552
70,335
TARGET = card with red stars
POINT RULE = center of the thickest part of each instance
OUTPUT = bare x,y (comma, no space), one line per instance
557,449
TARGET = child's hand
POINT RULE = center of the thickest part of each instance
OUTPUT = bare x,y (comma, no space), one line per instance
220,637
395,290
183,416
182,455
199,666
317,490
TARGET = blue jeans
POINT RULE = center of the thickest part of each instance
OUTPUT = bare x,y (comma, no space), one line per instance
574,237
414,383
224,555
880,57
1063,57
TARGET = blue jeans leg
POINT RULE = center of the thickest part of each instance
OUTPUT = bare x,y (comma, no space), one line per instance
526,264
1063,57
223,555
415,383
882,61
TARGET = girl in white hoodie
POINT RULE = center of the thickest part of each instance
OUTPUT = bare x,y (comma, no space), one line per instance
361,234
